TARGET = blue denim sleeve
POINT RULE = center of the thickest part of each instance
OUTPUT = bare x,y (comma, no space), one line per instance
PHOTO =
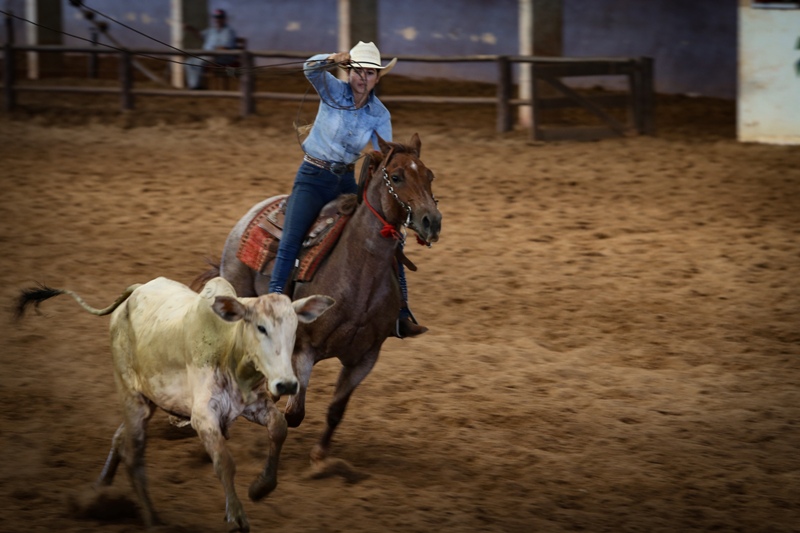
384,129
230,41
314,70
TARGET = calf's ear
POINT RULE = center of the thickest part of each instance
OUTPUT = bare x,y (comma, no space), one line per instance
228,308
310,308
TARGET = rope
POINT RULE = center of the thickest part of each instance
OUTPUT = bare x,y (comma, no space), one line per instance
387,231
139,54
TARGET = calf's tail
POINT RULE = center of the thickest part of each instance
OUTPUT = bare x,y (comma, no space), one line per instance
36,295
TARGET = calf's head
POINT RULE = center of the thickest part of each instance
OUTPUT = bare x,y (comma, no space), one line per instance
269,332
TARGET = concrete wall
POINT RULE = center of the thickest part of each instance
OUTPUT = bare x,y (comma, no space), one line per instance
769,75
693,41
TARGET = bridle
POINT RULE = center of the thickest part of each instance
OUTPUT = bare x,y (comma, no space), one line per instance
389,231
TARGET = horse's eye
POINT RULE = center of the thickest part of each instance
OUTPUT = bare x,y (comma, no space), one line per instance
262,329
396,178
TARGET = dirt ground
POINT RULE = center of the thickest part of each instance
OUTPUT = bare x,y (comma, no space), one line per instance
614,326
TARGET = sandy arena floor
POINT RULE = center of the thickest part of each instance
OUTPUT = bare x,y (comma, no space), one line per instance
614,339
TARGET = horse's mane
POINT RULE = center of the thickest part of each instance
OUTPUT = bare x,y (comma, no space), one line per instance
347,204
375,157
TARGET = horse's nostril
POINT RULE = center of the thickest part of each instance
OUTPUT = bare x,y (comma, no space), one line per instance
426,223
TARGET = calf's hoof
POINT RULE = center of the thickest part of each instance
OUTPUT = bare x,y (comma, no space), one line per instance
261,487
151,519
238,521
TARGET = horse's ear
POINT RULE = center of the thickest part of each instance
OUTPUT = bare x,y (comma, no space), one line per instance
415,144
383,145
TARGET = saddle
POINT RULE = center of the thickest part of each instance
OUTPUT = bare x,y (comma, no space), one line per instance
258,245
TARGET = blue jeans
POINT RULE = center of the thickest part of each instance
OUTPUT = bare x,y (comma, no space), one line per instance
313,188
194,68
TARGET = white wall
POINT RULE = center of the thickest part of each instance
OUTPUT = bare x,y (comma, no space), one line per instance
769,83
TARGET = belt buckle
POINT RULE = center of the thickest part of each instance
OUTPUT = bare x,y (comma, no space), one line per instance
338,168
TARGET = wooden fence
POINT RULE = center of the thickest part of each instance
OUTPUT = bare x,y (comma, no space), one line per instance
638,100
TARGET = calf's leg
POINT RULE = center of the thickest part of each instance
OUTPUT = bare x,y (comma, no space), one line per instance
207,425
269,416
138,411
114,457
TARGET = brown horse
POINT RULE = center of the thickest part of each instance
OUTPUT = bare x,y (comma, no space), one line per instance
359,274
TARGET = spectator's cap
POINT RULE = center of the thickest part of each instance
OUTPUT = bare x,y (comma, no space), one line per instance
366,55
219,14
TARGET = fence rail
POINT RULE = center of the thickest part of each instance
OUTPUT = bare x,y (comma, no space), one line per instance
639,99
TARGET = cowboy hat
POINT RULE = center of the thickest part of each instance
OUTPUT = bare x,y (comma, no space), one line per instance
366,55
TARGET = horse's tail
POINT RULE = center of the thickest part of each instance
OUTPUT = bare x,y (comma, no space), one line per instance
36,295
200,281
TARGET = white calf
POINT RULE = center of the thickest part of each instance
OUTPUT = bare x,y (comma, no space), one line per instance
209,357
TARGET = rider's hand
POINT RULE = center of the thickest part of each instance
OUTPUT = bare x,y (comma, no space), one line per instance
341,58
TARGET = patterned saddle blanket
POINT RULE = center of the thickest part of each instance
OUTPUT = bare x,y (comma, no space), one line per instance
259,243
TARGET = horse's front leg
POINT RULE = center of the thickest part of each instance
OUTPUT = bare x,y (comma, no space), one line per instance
269,416
303,363
349,378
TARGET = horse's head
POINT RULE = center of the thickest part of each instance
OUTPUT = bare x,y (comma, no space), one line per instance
404,185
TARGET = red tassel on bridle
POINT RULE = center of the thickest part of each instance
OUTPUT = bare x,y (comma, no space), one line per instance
389,232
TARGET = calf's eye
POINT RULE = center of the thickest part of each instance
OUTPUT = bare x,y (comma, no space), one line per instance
262,329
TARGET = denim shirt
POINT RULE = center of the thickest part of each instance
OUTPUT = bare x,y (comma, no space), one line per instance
223,37
339,135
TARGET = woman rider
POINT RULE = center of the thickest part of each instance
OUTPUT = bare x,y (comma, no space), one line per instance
349,116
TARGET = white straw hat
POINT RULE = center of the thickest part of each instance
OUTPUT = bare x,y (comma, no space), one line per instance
366,55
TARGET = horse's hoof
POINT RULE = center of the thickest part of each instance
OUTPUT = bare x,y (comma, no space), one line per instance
261,487
319,454
294,419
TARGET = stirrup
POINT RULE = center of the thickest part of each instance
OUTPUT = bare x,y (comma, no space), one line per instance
406,325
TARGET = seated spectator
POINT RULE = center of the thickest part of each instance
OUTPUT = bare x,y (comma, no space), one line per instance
219,36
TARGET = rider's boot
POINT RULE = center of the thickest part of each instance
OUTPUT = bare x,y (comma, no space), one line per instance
407,325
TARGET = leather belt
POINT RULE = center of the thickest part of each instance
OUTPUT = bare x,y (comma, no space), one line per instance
335,167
